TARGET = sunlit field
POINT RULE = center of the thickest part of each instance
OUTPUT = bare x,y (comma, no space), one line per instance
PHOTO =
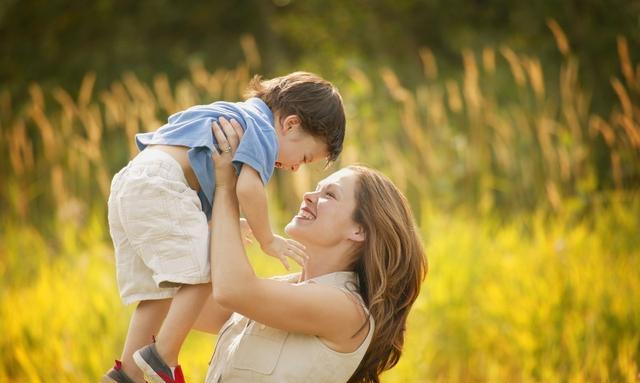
527,201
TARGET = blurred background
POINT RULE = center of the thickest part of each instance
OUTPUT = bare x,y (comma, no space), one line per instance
512,127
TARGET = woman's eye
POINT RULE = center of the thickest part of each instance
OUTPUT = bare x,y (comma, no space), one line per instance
331,195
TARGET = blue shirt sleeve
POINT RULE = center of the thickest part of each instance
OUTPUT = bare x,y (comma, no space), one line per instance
258,149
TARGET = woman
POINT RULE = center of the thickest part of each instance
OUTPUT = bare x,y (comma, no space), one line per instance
343,318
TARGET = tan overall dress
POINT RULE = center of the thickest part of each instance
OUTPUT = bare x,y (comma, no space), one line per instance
248,351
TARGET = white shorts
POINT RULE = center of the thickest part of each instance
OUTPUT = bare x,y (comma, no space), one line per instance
159,231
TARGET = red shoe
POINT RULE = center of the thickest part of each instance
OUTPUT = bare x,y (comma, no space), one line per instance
155,369
116,375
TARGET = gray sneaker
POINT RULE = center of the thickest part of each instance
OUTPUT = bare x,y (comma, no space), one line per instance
155,369
116,375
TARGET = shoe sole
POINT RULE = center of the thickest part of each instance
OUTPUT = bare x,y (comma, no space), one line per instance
147,370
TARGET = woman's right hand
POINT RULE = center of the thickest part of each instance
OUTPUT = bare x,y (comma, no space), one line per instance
228,135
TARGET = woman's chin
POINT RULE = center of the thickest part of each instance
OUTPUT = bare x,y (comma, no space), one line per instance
294,228
290,229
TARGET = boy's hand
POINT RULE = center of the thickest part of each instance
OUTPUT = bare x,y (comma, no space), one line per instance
282,248
245,231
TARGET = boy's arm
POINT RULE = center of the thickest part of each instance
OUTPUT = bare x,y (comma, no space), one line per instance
253,201
252,198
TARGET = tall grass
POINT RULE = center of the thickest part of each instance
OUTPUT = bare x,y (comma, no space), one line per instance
503,133
546,290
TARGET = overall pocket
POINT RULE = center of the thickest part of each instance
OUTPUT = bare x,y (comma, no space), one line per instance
260,349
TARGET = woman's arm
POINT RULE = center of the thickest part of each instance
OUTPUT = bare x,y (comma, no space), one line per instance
312,309
212,317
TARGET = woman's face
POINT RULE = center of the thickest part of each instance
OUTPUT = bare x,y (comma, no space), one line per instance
325,215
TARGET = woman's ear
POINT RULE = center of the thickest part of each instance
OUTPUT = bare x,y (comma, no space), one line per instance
358,234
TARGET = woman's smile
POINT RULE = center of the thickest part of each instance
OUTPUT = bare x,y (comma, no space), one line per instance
305,214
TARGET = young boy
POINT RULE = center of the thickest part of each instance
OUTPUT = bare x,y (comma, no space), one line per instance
161,201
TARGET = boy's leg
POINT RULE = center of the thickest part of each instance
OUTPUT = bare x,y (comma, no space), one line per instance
145,323
185,309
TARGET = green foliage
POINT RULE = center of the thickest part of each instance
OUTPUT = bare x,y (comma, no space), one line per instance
56,42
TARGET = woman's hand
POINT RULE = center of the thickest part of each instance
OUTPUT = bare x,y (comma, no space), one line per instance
228,135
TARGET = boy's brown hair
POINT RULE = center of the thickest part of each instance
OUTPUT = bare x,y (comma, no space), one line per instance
315,100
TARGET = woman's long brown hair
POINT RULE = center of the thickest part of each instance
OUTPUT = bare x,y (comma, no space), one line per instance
391,266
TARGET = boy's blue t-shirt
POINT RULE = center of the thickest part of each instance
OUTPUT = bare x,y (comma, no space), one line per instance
192,128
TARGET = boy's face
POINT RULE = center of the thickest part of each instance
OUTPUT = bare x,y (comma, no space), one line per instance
297,147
